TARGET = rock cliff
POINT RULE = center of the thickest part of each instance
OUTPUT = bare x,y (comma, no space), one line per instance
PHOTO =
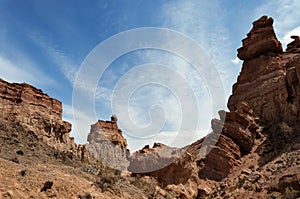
26,106
269,81
107,144
255,135
253,150
152,159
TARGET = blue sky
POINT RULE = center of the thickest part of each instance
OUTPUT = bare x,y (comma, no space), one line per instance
45,42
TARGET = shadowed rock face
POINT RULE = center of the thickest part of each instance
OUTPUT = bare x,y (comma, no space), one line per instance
29,107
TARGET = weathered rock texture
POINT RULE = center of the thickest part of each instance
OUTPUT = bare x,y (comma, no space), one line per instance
262,123
261,40
295,45
252,152
232,138
269,81
152,159
238,133
36,112
107,144
269,85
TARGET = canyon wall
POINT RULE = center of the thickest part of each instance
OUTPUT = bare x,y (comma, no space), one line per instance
26,106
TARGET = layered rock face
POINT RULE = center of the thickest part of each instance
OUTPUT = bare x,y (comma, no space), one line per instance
269,80
294,46
25,105
107,144
260,40
265,105
149,160
210,158
239,130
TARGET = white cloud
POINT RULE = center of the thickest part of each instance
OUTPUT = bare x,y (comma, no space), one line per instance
198,21
236,61
169,138
171,94
202,22
287,38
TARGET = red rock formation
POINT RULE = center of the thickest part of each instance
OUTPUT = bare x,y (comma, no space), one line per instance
25,105
107,144
269,81
261,40
189,165
149,159
294,46
107,130
238,133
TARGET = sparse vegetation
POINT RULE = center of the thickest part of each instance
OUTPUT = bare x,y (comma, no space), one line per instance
290,193
240,183
147,187
107,179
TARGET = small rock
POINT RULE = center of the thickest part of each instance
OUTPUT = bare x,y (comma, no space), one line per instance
85,196
47,185
15,160
7,194
254,177
246,171
251,167
20,152
23,172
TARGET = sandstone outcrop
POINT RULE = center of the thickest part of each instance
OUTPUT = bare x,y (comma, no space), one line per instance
26,106
269,83
260,41
264,111
227,143
107,144
253,150
152,159
294,46
238,133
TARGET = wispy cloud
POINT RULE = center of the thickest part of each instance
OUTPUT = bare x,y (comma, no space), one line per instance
148,105
207,23
80,123
23,70
67,66
197,21
202,22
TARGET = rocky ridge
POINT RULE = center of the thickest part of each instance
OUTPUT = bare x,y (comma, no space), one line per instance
254,149
26,106
254,139
39,159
